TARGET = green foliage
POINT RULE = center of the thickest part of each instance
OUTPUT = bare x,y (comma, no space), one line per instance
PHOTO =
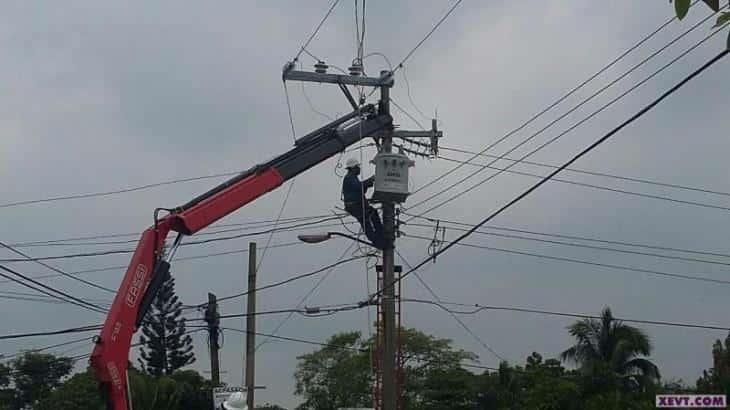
183,390
80,392
681,7
608,353
35,375
722,19
334,376
717,379
165,346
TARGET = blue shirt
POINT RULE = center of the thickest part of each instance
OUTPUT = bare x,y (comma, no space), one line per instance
352,189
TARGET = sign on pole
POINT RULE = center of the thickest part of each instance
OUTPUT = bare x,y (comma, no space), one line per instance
220,394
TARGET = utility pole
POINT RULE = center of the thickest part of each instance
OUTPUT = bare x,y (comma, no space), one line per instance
212,318
251,326
390,381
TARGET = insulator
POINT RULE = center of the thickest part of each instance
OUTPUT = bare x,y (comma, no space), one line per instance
356,68
321,67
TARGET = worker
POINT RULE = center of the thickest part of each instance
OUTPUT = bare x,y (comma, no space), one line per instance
236,401
357,205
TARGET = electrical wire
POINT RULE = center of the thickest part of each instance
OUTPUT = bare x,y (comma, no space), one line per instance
595,173
578,245
407,114
453,315
557,137
567,164
576,89
271,234
117,191
423,40
593,186
583,238
46,290
80,329
584,262
243,225
306,296
53,268
316,30
190,243
289,280
410,97
478,308
41,349
186,258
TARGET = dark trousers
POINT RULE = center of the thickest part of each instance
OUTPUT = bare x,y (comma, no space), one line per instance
370,222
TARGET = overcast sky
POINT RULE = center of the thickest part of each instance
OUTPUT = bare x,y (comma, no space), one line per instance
97,97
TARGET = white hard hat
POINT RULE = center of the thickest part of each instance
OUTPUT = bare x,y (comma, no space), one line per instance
352,163
236,401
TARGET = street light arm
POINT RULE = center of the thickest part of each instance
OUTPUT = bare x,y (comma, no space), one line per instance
354,238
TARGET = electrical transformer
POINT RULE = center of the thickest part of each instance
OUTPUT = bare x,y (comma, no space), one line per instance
391,177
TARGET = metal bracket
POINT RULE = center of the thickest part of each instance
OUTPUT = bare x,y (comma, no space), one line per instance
348,95
386,80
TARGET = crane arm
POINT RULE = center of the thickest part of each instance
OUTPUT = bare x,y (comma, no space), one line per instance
147,270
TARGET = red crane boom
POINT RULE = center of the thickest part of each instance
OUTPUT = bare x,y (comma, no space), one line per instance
147,270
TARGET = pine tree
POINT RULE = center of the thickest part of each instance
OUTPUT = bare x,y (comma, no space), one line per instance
165,346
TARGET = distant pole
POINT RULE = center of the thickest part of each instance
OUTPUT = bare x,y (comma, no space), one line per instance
212,318
251,326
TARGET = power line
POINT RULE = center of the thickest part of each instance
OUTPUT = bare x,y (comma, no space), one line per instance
581,238
81,329
423,40
198,242
584,262
306,296
595,173
562,167
41,349
555,121
242,225
204,256
594,186
291,279
46,290
33,297
478,308
117,191
562,98
560,135
453,315
316,30
579,245
53,268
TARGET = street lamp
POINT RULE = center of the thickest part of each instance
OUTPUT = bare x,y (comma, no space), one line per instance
324,236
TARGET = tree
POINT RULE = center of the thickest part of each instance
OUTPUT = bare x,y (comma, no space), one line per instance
717,379
6,394
165,346
427,357
183,390
336,375
607,352
681,8
35,375
80,392
339,374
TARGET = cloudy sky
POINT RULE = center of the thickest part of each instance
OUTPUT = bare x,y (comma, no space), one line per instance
97,97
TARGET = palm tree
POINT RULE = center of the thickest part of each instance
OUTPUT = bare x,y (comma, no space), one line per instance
608,352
